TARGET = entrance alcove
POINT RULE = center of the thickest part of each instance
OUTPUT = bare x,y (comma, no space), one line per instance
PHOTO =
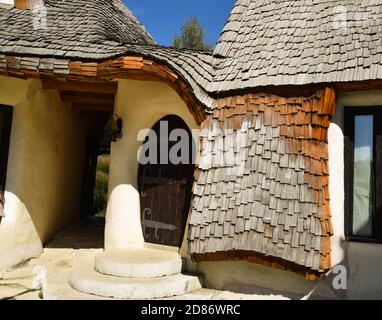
148,199
141,105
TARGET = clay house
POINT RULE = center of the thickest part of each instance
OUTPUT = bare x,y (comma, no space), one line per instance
286,182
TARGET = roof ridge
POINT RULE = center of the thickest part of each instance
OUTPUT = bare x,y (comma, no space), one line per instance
119,4
206,52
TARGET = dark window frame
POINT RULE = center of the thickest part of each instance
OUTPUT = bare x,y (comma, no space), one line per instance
349,117
4,146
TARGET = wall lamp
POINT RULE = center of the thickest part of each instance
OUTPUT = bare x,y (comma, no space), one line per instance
113,129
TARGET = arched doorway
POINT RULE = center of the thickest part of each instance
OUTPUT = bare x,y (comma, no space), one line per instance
165,185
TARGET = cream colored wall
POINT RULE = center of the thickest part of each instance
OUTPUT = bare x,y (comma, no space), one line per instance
363,260
44,173
140,104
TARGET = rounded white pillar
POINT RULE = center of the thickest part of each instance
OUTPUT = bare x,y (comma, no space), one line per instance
123,220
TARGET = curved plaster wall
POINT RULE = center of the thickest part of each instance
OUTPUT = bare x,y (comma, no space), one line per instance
44,173
363,261
140,104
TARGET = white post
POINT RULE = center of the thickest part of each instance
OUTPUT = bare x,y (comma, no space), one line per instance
123,222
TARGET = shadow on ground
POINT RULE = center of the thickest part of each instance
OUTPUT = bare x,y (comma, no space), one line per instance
85,234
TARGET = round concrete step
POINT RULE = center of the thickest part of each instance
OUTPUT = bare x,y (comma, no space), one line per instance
138,263
87,280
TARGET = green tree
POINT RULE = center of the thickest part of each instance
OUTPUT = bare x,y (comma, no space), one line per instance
192,36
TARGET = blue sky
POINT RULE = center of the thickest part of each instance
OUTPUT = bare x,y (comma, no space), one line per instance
164,18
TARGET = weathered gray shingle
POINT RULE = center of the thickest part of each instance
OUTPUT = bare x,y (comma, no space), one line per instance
277,175
77,28
278,42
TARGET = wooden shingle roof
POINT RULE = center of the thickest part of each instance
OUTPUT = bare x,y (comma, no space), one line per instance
264,42
95,30
71,29
295,42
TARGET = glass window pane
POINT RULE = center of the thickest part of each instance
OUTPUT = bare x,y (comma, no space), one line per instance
363,176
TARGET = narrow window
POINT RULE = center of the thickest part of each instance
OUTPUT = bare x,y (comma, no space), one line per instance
363,167
363,176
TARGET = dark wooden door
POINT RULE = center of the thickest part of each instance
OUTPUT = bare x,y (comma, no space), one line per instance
165,190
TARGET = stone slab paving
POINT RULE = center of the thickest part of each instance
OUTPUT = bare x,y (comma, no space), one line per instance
58,264
77,245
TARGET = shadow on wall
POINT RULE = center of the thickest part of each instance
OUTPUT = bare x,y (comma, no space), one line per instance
18,236
359,269
249,278
326,288
45,164
46,161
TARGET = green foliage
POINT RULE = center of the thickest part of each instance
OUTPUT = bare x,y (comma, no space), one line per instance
192,36
103,163
101,185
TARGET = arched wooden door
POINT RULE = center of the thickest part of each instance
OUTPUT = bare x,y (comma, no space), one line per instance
165,188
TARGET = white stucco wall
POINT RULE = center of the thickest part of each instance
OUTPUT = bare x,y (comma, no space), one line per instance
140,104
45,166
362,260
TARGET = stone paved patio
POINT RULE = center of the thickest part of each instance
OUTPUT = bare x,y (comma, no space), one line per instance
78,244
